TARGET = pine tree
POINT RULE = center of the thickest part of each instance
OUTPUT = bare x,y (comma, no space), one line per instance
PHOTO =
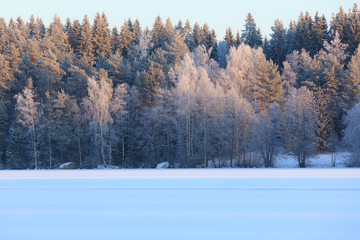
5,75
74,36
126,38
229,37
197,35
48,75
319,34
251,35
158,32
176,48
59,38
237,39
168,31
354,29
101,36
277,47
3,34
115,40
339,24
86,46
76,82
303,34
291,37
268,85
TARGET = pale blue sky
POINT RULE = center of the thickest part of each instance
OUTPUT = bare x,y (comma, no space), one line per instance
218,14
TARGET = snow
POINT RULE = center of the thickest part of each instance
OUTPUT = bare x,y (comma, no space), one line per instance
163,165
180,204
317,161
67,165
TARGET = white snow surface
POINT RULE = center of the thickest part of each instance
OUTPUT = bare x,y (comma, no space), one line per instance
179,204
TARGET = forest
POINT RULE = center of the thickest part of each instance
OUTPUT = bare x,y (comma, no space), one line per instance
133,97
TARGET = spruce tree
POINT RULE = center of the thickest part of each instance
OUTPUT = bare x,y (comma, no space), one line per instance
3,34
59,38
115,40
303,34
277,46
251,35
48,75
101,36
86,46
126,38
229,37
158,32
354,29
319,34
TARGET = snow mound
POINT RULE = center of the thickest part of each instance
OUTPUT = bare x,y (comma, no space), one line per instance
67,165
163,165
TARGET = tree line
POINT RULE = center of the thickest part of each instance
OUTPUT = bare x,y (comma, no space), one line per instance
134,97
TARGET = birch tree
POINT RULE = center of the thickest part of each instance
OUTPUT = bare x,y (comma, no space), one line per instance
29,113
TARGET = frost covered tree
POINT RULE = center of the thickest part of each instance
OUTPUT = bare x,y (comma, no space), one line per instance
97,111
251,35
126,38
28,115
277,48
229,37
240,72
301,124
353,79
100,106
59,37
351,134
48,75
269,134
101,36
86,46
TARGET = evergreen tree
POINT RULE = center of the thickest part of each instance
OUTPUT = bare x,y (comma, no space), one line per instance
268,85
197,35
76,82
127,37
339,23
354,29
59,38
291,37
251,35
319,33
303,34
176,48
74,36
48,75
5,75
86,46
277,46
158,32
3,34
101,36
115,40
229,37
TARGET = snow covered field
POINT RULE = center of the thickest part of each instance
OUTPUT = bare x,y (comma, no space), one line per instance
180,204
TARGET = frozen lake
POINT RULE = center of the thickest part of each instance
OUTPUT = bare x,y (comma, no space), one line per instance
279,204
